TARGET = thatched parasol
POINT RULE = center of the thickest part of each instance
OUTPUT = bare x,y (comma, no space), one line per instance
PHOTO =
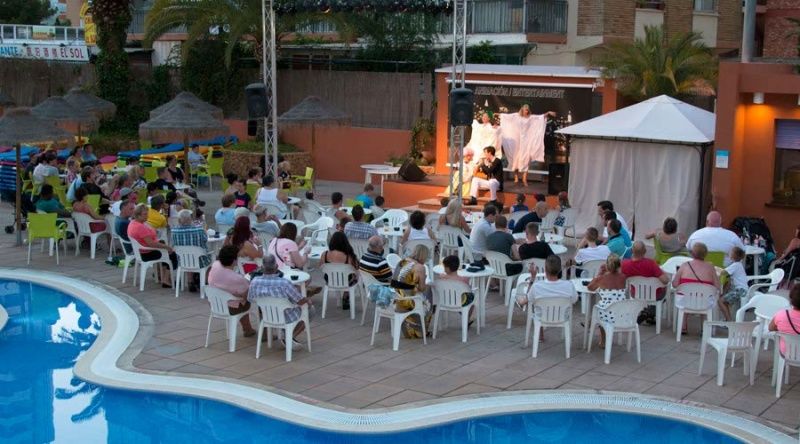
315,111
183,120
66,116
19,126
187,97
100,108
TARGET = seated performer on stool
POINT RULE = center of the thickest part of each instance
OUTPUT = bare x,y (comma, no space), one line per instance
488,175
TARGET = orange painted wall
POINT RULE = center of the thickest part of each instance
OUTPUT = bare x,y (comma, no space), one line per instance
238,128
747,130
610,102
339,151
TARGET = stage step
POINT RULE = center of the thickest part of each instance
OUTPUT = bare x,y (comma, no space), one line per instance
434,204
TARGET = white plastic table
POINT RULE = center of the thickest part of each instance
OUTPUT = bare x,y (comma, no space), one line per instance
293,200
296,277
756,252
587,305
389,171
550,238
369,168
393,234
479,280
349,210
215,242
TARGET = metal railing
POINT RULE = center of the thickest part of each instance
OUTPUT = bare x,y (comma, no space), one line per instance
547,17
512,16
41,34
650,4
705,5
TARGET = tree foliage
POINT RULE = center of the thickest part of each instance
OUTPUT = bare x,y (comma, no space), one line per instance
649,67
112,18
25,12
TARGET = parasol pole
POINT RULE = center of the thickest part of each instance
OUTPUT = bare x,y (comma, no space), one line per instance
18,212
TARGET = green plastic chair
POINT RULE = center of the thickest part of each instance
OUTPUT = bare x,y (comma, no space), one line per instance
121,163
94,201
352,202
61,194
43,226
53,181
145,144
141,197
717,258
303,182
150,174
213,168
661,256
252,190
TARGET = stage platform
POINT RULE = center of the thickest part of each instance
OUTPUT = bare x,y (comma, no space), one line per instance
426,195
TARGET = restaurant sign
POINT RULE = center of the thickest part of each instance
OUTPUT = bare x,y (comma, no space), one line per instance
72,53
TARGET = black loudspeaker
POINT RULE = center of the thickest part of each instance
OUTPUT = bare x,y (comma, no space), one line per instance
557,178
252,127
410,172
461,107
256,97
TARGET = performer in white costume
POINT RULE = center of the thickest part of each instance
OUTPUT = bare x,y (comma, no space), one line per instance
484,133
523,139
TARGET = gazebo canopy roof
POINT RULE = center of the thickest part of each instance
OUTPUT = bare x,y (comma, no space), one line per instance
185,118
19,125
187,97
58,109
6,100
81,99
313,109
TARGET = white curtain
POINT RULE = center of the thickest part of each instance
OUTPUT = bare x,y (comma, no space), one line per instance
647,182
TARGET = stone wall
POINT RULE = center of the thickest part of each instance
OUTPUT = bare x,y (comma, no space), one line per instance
239,162
778,39
678,16
729,26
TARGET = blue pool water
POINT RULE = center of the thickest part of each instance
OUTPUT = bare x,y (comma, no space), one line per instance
42,401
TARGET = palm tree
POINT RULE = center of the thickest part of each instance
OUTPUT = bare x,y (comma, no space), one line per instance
679,66
236,20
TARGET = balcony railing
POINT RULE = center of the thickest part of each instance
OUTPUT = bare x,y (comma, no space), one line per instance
512,16
547,17
650,4
705,5
41,34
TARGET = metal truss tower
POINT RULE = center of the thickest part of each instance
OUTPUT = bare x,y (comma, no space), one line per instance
458,80
269,74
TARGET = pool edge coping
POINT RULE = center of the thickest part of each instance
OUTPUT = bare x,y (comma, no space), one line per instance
3,317
121,328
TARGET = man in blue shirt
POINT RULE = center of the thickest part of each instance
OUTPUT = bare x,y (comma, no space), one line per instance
616,241
367,196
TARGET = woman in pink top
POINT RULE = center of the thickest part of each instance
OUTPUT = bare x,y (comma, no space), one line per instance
223,275
286,250
788,321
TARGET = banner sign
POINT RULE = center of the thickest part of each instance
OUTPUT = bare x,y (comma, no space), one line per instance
73,53
44,33
89,27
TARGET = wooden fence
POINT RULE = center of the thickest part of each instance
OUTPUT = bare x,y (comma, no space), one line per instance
29,82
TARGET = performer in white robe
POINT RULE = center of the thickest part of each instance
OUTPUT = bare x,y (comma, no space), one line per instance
484,134
470,162
523,139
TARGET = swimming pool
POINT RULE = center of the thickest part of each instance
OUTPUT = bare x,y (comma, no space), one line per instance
41,399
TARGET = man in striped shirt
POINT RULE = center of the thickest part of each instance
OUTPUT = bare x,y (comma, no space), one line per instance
188,235
373,261
358,229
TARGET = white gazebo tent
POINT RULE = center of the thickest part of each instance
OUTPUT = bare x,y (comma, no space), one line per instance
649,159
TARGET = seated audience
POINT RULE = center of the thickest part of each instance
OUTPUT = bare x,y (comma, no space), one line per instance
122,221
270,284
714,237
409,279
537,215
255,176
520,204
453,217
358,229
374,262
609,278
602,207
81,205
47,167
335,211
146,236
551,286
286,251
241,236
736,286
696,271
266,223
270,194
416,229
481,231
668,237
616,242
368,196
377,208
451,265
240,195
788,321
590,248
533,248
186,234
502,242
155,217
225,215
48,203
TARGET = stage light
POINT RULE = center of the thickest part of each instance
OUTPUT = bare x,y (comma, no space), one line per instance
758,98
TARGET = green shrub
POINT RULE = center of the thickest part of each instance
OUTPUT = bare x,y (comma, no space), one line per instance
258,147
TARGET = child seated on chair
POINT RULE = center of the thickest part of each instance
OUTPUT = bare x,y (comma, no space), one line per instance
451,266
736,286
520,205
284,174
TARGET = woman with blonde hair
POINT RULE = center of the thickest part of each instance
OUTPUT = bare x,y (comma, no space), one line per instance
408,280
609,278
452,216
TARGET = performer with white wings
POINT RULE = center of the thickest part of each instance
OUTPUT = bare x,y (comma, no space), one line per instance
485,133
523,139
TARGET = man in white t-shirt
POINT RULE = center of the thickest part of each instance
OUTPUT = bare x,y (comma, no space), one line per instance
715,237
551,286
481,230
607,205
593,251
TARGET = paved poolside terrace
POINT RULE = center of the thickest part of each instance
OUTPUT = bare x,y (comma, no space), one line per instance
344,371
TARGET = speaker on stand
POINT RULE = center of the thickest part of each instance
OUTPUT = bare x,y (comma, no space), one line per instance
410,172
461,107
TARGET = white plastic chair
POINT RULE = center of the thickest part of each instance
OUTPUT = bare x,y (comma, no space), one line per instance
548,223
516,216
337,279
765,307
84,230
498,262
739,339
774,278
275,209
645,290
360,246
391,218
791,358
672,264
223,229
396,318
521,288
265,238
189,262
549,312
589,270
111,228
624,314
273,316
448,242
218,300
570,215
129,258
393,259
447,294
698,299
141,266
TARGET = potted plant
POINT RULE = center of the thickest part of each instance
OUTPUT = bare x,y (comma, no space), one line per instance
421,136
